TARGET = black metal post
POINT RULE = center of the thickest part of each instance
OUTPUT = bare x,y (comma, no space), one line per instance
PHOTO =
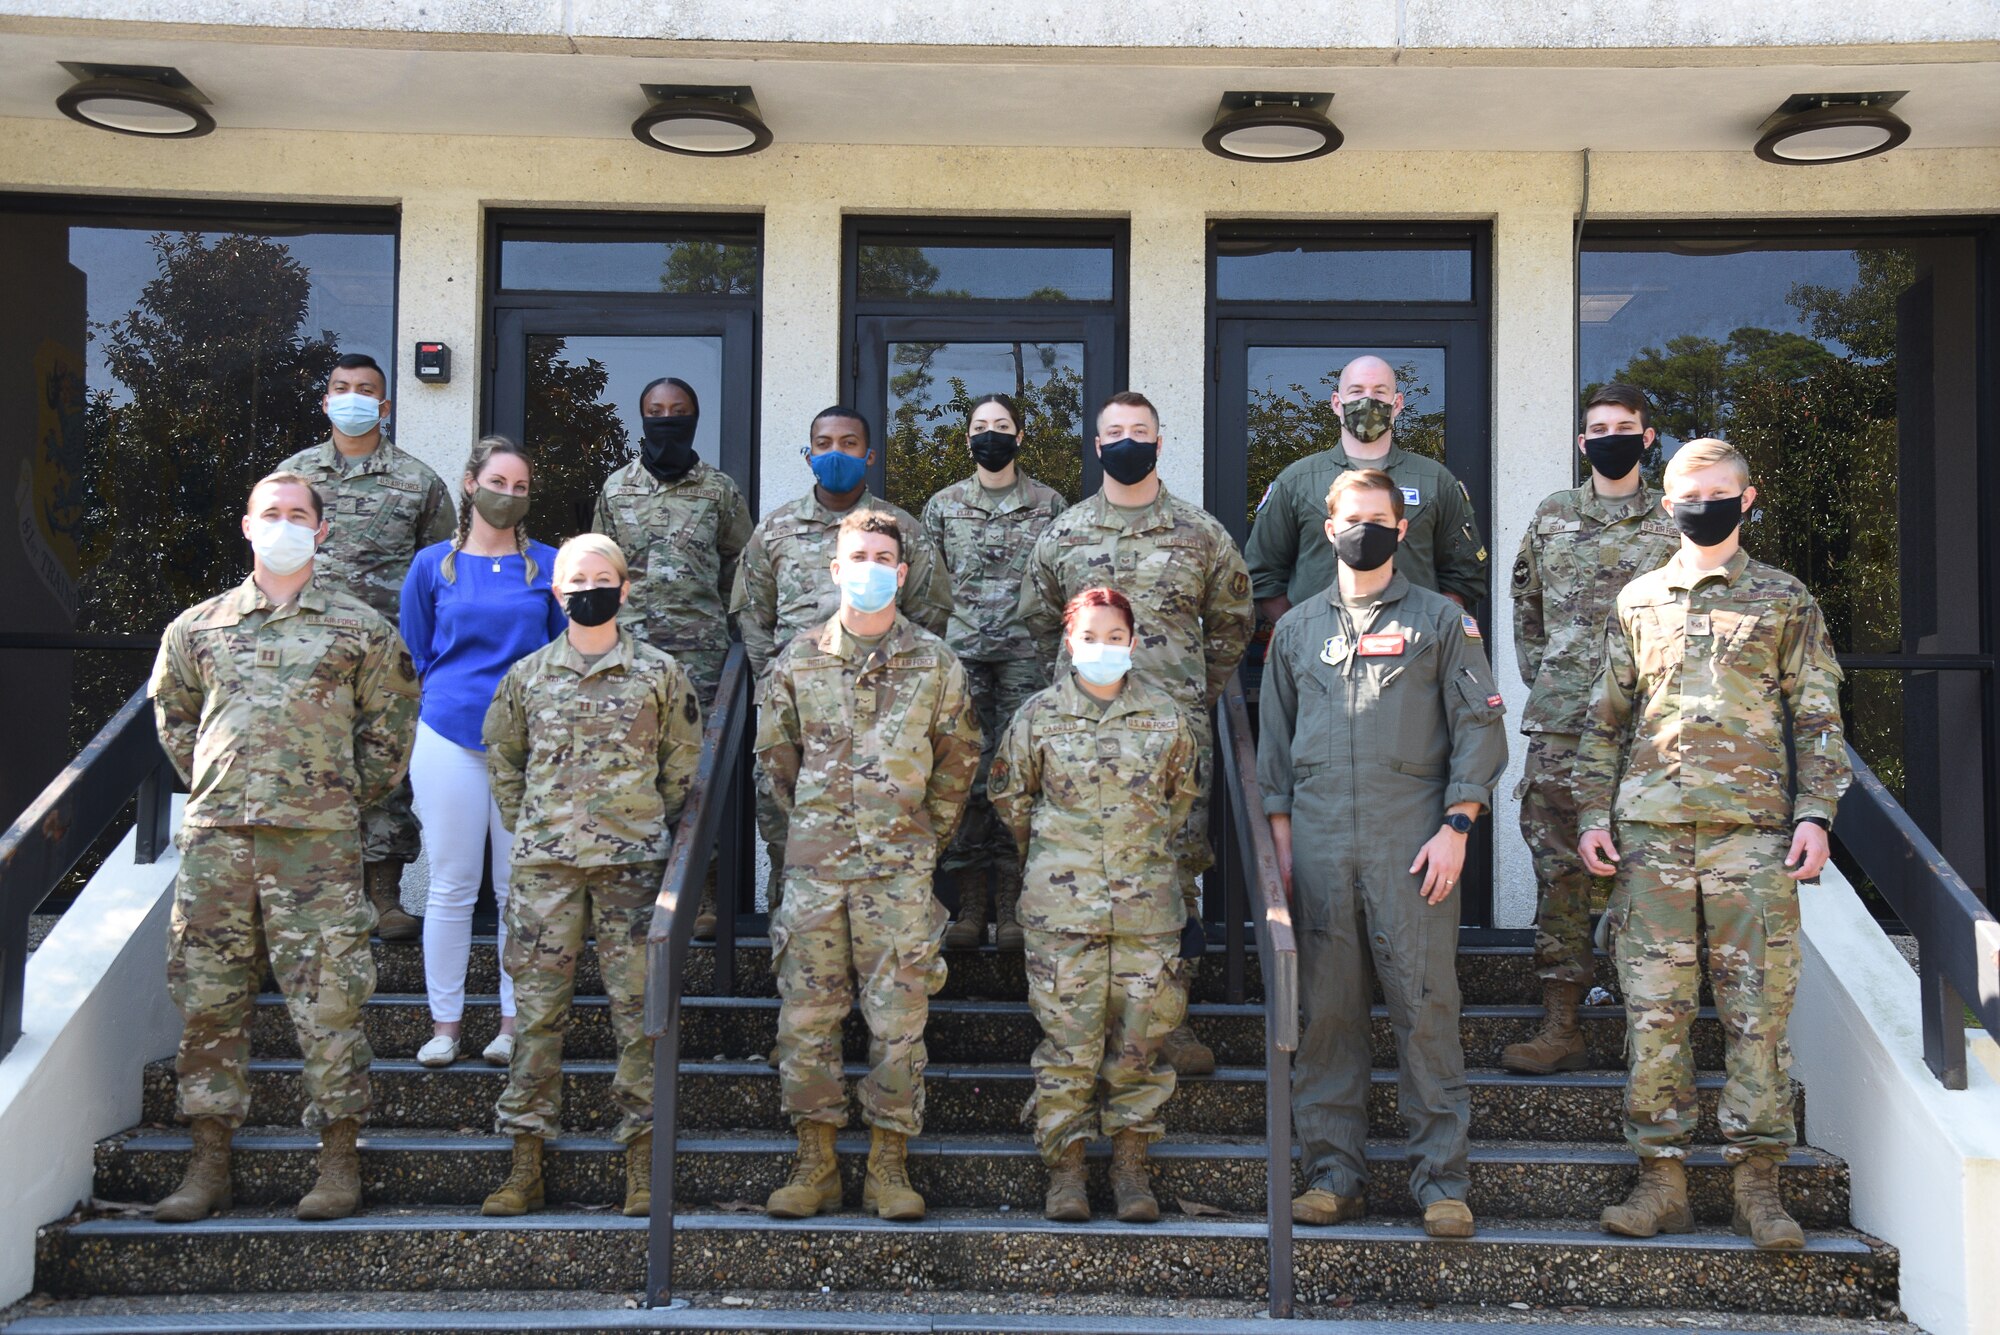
153,817
666,1123
1278,1184
1944,1022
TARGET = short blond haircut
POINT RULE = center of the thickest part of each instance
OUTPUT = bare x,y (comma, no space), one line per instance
281,478
590,544
1365,479
1707,452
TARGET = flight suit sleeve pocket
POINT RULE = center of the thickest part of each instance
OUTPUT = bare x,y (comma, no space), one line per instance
1479,700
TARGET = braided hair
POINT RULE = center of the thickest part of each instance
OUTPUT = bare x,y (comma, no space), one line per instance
487,447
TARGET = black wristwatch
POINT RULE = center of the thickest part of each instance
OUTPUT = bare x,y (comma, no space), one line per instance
1459,822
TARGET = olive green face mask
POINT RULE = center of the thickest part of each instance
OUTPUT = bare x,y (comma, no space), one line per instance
498,510
1366,419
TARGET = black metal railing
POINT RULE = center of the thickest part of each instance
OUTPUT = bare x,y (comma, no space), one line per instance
1254,889
122,762
715,803
1958,940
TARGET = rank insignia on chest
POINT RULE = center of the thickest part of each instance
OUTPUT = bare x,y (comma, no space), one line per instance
1381,646
1412,496
1471,626
1334,650
1697,623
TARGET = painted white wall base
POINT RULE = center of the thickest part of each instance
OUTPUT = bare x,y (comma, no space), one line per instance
95,1012
1925,1161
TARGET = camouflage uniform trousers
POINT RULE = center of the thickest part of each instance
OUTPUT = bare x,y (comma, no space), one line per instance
390,831
999,689
1105,1004
248,892
1196,855
1563,887
885,932
1677,883
549,913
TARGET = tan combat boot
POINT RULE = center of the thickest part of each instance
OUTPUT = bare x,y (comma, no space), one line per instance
204,1188
1448,1219
1558,1045
1131,1183
337,1194
1320,1206
639,1177
1066,1199
968,929
704,914
384,882
1760,1210
522,1191
886,1189
1007,935
1658,1203
1187,1054
815,1181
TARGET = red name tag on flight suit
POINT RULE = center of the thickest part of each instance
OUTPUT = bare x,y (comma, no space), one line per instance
1381,646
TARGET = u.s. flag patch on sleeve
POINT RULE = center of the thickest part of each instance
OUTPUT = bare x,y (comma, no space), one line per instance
1471,626
1267,497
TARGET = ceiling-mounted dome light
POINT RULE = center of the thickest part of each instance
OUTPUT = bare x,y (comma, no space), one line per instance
702,121
152,101
1814,128
1272,127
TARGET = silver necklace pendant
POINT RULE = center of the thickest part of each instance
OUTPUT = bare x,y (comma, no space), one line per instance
496,565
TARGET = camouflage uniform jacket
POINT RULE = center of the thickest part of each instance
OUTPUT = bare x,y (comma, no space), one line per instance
591,762
1190,592
784,585
381,510
1706,676
681,539
1288,552
295,717
1579,551
870,753
1095,796
986,538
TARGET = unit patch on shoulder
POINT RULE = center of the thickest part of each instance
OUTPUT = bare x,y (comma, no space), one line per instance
1239,584
1471,626
1520,572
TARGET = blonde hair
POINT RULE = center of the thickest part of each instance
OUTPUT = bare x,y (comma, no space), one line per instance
281,478
590,544
1708,452
485,449
1365,479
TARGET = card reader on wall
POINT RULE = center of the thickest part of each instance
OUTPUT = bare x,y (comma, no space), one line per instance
434,363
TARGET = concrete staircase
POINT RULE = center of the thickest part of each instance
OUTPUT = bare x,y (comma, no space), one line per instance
1546,1157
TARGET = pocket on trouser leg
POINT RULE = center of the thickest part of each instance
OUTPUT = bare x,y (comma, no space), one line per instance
1781,972
919,949
345,981
1169,1004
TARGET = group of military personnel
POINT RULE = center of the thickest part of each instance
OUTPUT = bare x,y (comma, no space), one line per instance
1017,692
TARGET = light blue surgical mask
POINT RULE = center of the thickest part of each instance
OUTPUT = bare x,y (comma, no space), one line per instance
838,473
1101,664
869,586
353,414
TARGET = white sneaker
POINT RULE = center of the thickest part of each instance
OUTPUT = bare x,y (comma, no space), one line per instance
500,1052
441,1051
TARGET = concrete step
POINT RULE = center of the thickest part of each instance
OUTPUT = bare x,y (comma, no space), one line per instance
719,1028
1574,1106
1487,975
1542,1261
1510,1180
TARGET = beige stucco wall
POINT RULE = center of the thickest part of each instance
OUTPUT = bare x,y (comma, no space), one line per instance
444,185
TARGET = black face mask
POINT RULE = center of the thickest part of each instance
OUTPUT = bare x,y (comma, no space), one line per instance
668,448
994,450
1707,523
591,607
1365,546
1129,461
1614,456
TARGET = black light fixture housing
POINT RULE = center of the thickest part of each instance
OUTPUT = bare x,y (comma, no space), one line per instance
1811,129
150,101
1272,127
702,121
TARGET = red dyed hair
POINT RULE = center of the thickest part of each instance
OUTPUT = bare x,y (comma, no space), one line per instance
1098,597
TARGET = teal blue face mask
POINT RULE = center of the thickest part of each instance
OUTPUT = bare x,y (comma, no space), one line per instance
869,587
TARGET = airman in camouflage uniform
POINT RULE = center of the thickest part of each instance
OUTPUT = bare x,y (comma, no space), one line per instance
382,508
286,722
1093,794
868,752
1709,676
986,537
590,763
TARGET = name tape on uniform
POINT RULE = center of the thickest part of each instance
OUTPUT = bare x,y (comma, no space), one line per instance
1381,646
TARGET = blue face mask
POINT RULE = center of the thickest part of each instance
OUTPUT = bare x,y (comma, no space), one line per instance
837,472
869,586
1101,664
353,414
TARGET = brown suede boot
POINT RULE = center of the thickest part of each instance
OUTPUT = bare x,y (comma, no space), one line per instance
1760,1209
384,882
204,1188
1008,936
522,1191
1558,1045
1658,1203
1187,1054
337,1194
1317,1205
1066,1199
886,1190
968,928
815,1181
1131,1183
639,1177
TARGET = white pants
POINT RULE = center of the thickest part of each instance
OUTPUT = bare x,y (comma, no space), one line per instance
460,821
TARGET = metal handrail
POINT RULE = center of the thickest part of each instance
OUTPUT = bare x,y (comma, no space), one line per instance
715,796
1253,875
1958,939
60,825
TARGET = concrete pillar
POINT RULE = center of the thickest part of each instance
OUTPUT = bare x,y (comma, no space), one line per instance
439,281
1167,339
801,339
